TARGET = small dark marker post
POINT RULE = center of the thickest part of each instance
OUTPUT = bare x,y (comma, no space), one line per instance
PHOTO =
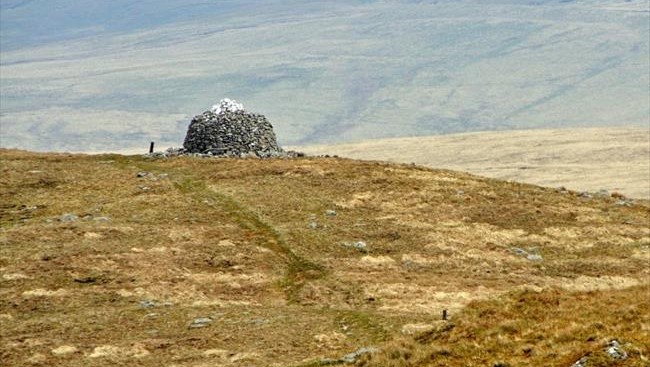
444,314
151,147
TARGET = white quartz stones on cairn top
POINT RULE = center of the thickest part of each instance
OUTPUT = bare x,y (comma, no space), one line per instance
227,105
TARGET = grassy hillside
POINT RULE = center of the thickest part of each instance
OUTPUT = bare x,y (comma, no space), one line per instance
122,260
82,76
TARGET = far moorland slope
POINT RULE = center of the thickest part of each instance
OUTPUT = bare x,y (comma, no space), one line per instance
616,159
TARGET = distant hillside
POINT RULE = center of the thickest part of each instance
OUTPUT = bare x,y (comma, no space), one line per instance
591,159
89,76
111,260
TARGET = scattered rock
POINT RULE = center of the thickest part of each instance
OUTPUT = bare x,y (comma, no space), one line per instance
359,246
147,304
170,152
527,254
409,264
181,152
615,350
534,257
330,213
585,195
582,362
519,251
602,194
101,219
624,202
200,322
352,357
151,176
67,218
312,225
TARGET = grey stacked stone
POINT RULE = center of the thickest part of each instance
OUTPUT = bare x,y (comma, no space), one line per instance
228,131
231,134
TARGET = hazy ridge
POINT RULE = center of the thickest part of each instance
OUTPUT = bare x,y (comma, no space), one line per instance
119,75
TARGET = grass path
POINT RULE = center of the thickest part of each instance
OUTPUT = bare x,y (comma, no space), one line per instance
298,271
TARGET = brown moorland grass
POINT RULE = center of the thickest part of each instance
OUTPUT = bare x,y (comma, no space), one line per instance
251,245
612,158
532,328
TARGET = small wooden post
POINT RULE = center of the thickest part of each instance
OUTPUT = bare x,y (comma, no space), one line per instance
151,147
444,314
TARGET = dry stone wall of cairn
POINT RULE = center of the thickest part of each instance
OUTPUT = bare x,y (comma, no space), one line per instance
227,130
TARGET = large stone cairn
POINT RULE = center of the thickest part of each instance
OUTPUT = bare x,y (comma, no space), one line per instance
227,130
